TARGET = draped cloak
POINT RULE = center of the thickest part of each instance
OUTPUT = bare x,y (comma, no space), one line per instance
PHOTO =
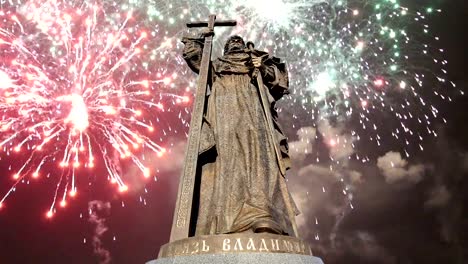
240,177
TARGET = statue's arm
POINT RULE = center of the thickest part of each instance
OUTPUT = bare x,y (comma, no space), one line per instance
192,53
268,73
275,77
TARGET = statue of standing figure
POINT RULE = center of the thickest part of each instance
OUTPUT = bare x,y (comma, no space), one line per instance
243,153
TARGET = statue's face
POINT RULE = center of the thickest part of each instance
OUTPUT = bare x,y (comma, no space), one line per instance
235,44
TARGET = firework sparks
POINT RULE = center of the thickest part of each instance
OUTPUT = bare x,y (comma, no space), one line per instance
82,82
72,93
349,60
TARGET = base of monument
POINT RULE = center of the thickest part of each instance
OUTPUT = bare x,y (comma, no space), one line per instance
241,258
237,248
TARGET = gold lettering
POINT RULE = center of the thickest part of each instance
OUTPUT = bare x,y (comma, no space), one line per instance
186,248
226,244
238,245
297,247
275,245
303,248
263,246
288,245
251,245
195,246
178,249
205,247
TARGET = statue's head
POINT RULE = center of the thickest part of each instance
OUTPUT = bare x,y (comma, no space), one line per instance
234,44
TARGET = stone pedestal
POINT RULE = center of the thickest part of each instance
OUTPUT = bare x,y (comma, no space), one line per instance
247,248
241,258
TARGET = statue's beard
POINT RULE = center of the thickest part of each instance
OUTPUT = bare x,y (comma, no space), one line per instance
235,48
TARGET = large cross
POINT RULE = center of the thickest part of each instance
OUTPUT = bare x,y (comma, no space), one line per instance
182,223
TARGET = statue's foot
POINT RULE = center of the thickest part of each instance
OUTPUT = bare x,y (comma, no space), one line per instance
266,226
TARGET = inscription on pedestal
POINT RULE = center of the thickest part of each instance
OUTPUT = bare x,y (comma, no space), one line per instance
235,243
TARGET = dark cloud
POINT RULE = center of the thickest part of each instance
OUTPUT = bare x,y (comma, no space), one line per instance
363,247
355,177
303,146
340,144
313,181
311,190
398,214
390,210
438,197
396,169
465,162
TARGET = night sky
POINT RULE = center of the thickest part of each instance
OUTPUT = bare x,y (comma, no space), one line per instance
416,216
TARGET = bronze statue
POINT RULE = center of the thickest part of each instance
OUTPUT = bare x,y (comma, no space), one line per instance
242,153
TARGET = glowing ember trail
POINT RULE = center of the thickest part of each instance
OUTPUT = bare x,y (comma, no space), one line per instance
74,92
96,84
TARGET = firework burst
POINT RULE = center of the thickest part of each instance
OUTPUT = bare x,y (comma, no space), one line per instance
74,91
83,82
372,65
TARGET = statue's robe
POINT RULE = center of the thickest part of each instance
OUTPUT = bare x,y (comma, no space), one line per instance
241,181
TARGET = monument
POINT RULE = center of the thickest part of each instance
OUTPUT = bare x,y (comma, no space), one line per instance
233,205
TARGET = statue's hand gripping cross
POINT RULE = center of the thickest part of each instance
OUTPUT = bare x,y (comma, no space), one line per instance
183,225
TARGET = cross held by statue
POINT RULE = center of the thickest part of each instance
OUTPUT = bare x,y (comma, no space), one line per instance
182,226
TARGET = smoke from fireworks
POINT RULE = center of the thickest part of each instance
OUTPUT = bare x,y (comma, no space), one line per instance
97,211
88,82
